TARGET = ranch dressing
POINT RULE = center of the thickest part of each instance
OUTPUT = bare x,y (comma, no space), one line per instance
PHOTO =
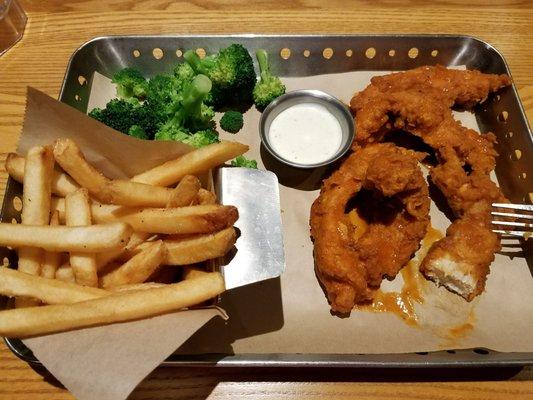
305,133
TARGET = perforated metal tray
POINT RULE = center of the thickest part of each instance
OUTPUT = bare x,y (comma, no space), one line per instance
307,55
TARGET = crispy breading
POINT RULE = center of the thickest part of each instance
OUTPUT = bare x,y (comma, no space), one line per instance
351,269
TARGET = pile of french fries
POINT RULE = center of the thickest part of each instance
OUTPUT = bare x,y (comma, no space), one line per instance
94,250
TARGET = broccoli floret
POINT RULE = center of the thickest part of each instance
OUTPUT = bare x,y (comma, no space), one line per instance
202,138
130,83
138,132
232,121
123,115
241,161
191,120
184,72
269,87
232,73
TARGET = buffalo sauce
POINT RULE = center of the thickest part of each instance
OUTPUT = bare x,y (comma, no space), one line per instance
403,303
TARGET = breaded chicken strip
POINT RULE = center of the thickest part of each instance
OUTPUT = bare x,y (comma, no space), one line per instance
397,214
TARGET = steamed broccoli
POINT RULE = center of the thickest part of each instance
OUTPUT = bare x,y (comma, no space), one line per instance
127,117
232,73
232,121
191,121
241,161
130,83
269,87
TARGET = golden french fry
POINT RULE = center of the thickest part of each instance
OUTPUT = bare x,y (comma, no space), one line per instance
102,259
137,286
50,291
65,273
138,268
181,220
62,184
124,306
78,213
193,272
193,163
87,239
185,193
194,249
52,259
134,194
36,202
206,197
69,156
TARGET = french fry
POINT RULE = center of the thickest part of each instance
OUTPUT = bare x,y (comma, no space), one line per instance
49,291
62,184
194,249
36,202
65,273
120,192
137,286
51,260
185,193
191,272
124,306
36,196
86,239
134,194
193,163
138,268
181,220
102,259
69,156
78,213
206,197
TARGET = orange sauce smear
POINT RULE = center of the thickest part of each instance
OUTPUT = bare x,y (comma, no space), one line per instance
403,303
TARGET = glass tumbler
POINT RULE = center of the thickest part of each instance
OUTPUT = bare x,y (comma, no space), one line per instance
12,24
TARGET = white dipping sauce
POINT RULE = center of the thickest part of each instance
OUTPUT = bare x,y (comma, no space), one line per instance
305,133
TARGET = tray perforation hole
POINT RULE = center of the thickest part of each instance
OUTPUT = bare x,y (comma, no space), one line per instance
306,53
349,53
327,53
515,155
14,221
179,53
480,351
497,97
509,135
82,80
136,53
158,53
201,52
285,53
392,53
523,175
17,203
5,262
370,53
434,53
503,116
77,97
413,53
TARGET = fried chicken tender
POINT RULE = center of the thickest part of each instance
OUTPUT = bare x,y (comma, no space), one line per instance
351,269
419,101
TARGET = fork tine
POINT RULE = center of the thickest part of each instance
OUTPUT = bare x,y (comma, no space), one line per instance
511,215
522,234
524,207
518,224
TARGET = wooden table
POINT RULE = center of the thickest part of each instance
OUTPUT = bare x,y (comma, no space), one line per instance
57,27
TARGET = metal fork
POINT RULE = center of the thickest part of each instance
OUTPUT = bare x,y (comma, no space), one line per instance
518,222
